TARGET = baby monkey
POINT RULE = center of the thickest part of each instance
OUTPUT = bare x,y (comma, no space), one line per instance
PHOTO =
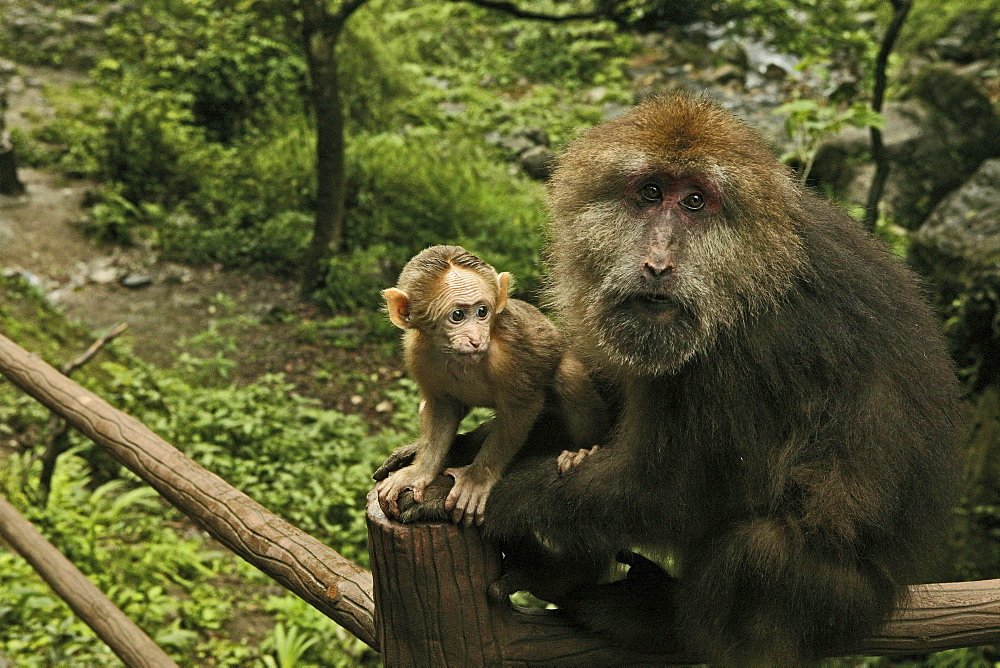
467,344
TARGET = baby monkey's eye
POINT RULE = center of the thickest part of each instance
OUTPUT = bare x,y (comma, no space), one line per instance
482,311
458,315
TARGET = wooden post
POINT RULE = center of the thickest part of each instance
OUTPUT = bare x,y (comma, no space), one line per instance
431,607
430,579
430,597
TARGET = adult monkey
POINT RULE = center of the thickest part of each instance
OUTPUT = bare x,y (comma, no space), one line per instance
787,424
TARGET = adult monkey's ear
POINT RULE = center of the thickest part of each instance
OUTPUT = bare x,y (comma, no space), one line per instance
397,303
503,286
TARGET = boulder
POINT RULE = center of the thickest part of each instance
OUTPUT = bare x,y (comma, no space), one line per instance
958,249
538,162
934,140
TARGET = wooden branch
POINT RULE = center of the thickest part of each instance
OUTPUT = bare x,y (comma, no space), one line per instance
94,348
120,633
335,586
58,429
429,591
430,603
431,606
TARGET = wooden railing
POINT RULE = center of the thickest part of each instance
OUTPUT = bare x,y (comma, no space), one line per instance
424,603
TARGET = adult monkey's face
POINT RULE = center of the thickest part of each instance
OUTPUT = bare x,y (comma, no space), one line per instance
668,223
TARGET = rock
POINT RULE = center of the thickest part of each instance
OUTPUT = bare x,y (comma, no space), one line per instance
934,141
774,72
535,135
177,274
610,110
453,108
538,162
438,82
958,248
516,144
597,94
732,53
726,74
521,140
104,275
85,21
31,278
972,35
136,281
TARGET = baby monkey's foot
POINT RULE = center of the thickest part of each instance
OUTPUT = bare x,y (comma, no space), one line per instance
405,478
570,460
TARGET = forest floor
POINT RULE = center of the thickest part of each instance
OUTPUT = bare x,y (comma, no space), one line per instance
257,315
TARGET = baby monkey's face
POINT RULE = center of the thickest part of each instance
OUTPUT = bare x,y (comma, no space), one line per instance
464,310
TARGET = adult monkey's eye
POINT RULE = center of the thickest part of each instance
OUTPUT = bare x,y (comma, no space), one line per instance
458,315
651,192
482,311
693,202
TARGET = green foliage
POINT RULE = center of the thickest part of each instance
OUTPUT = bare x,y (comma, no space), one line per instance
289,646
198,130
310,465
419,190
818,31
809,123
460,39
161,579
929,21
230,63
310,634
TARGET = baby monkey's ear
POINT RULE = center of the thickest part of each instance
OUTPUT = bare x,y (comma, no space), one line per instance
503,286
397,303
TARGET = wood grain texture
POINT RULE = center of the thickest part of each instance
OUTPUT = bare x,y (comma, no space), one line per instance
431,582
295,559
430,579
121,634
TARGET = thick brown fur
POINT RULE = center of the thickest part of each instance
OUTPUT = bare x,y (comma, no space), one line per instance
500,353
787,427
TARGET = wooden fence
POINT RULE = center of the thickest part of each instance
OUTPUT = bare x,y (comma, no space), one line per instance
424,602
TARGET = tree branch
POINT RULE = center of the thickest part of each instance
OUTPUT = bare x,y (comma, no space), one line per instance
58,429
517,12
902,8
337,587
94,348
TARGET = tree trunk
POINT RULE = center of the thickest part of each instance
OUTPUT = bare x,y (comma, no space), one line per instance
320,33
9,183
901,9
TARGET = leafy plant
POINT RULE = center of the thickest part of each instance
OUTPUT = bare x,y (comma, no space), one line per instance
810,122
289,646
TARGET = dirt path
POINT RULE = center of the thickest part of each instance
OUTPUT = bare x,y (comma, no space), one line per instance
40,236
